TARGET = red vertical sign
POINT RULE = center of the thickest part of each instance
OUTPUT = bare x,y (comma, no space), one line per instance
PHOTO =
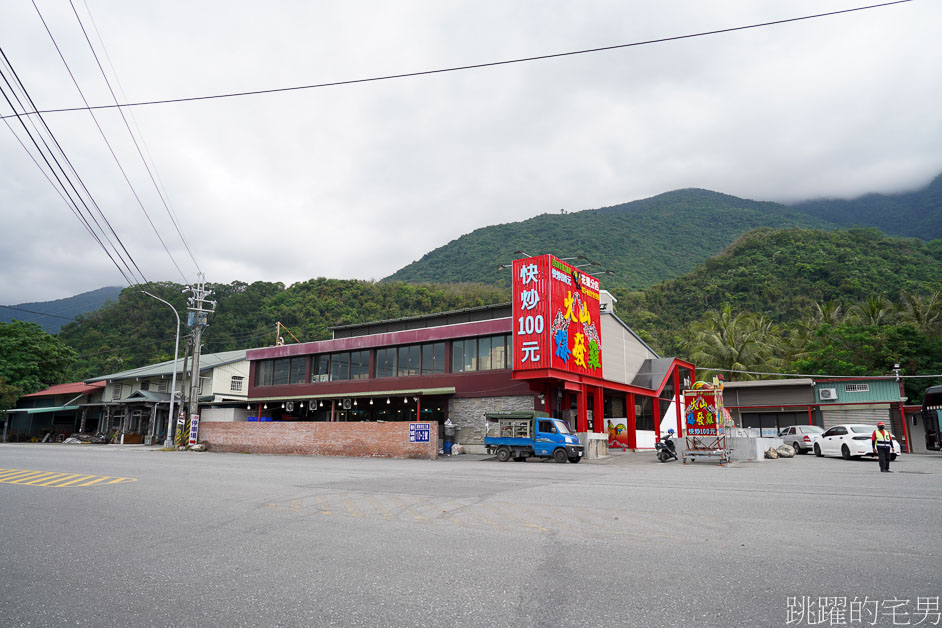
531,312
557,318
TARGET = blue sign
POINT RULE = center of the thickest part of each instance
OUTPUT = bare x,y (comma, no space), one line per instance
420,432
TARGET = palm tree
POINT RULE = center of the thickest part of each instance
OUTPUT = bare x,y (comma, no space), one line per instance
874,311
729,343
923,312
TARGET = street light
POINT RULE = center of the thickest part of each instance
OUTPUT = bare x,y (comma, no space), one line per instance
168,440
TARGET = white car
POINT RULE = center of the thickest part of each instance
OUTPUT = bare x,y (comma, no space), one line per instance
850,441
801,437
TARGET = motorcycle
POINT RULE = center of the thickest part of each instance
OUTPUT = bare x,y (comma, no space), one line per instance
666,450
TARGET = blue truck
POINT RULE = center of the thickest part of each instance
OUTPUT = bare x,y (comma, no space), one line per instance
520,435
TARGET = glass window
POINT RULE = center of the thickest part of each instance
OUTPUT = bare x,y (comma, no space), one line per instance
471,354
644,413
235,384
339,366
386,362
298,370
484,354
145,385
320,369
457,356
281,371
360,365
409,357
498,352
263,371
433,358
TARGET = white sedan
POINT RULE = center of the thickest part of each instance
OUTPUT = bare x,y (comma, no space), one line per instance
850,441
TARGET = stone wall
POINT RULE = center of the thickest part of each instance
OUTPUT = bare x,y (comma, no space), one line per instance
386,440
467,413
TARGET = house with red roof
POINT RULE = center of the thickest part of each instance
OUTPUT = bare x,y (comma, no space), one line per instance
57,411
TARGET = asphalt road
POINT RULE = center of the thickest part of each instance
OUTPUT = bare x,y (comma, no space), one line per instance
130,536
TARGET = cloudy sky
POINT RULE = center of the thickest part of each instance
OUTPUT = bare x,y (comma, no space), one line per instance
357,181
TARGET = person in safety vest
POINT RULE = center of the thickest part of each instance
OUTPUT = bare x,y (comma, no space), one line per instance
882,446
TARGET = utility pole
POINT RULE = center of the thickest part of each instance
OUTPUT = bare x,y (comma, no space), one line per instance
200,307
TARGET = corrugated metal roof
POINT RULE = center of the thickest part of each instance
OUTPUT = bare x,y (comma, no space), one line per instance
207,361
74,388
43,410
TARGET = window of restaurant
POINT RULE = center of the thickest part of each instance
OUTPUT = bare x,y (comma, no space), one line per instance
644,413
386,362
481,354
433,358
409,360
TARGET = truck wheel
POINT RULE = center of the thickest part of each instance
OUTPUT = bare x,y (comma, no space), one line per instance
560,455
503,454
575,459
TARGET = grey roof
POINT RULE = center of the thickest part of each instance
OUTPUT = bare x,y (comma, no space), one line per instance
652,373
761,383
632,332
148,395
207,361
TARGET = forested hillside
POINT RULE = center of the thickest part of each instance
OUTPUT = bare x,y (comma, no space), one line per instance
642,242
914,214
138,330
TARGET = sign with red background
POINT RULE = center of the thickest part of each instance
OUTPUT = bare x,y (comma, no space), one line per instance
557,317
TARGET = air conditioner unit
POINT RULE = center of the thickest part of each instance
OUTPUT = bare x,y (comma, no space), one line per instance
828,393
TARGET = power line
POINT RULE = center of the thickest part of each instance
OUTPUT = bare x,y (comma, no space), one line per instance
105,138
147,167
126,272
475,66
19,309
817,376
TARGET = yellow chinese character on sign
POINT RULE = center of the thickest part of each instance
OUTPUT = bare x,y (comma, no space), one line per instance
584,317
578,351
699,418
568,301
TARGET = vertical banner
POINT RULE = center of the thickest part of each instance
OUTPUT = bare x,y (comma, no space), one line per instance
557,317
703,412
194,429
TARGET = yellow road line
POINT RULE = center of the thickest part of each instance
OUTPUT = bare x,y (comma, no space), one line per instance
57,479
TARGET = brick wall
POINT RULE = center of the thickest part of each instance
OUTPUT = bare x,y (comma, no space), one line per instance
386,440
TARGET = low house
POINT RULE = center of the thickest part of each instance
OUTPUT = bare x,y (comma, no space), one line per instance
135,403
59,411
771,405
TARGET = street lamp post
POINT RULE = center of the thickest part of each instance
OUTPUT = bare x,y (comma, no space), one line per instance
168,440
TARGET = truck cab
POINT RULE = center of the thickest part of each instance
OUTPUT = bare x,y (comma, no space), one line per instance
520,435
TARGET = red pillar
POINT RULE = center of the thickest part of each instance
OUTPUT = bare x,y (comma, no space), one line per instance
598,411
630,422
548,400
810,417
678,396
418,408
902,414
656,410
582,418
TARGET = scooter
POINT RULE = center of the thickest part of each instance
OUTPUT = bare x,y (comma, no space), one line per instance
665,448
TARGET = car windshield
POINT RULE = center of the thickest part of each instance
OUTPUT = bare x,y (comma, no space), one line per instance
862,429
563,427
812,429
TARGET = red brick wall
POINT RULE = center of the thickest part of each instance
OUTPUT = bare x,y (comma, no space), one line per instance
386,440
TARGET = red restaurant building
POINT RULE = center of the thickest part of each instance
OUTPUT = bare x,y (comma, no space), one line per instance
460,365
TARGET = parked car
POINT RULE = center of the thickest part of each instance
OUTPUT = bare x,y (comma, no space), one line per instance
850,441
801,437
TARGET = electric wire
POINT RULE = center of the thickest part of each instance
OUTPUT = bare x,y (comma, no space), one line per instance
147,167
125,272
65,156
474,66
108,143
818,375
19,309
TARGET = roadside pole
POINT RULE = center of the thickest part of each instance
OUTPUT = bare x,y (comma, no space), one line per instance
200,308
168,440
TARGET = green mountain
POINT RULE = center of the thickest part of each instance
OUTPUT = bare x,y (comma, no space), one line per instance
642,242
783,274
914,214
58,312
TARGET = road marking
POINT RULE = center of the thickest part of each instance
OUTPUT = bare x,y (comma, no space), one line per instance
58,480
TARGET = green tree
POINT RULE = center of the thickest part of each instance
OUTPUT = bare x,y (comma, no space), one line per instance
727,342
31,359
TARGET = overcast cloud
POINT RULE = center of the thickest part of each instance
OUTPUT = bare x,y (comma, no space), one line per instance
358,181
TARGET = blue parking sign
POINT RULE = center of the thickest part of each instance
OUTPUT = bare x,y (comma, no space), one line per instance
419,432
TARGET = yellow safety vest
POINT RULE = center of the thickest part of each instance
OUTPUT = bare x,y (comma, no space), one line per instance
882,438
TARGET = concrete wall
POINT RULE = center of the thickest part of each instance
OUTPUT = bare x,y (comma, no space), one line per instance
622,353
208,414
467,413
385,440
